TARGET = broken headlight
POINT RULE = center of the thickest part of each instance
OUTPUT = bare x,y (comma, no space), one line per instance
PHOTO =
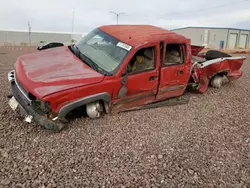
44,106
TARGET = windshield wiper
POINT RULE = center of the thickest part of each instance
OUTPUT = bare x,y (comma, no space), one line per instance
76,51
89,61
84,58
96,67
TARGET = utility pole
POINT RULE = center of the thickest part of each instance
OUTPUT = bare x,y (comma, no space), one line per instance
117,15
73,18
29,34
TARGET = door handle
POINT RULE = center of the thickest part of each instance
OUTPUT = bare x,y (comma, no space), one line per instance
180,72
152,78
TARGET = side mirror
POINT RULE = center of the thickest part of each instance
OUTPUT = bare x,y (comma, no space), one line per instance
126,71
50,45
124,89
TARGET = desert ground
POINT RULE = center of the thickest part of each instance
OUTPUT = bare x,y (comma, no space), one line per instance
205,143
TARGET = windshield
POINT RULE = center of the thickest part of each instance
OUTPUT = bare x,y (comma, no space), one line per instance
103,49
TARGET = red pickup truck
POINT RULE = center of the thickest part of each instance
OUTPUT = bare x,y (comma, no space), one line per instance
113,68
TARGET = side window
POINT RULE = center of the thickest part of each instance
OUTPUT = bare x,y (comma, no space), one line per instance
174,54
143,60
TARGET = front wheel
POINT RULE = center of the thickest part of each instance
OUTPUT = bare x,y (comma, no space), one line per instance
94,109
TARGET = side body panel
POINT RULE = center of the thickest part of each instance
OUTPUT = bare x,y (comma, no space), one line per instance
169,81
206,71
60,99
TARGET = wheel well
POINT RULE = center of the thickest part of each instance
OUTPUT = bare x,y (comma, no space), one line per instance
105,106
77,112
222,73
80,103
81,110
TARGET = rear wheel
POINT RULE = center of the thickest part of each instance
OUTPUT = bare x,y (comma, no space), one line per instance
217,81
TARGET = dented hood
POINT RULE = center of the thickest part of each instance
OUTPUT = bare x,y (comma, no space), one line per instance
53,70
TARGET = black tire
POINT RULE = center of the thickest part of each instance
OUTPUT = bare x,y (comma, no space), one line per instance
214,54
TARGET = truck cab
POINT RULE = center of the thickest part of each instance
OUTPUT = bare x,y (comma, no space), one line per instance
157,68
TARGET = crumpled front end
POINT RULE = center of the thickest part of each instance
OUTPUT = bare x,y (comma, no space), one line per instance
29,107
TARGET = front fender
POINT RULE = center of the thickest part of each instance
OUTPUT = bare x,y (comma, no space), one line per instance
105,96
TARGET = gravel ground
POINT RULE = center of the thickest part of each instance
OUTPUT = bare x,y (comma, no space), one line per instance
205,143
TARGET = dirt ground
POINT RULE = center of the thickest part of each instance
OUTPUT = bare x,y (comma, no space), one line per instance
205,143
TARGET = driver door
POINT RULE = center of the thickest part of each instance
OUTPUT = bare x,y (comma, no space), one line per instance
142,79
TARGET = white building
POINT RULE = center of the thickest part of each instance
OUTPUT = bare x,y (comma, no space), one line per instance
218,38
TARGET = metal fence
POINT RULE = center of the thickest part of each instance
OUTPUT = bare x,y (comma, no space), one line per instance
19,38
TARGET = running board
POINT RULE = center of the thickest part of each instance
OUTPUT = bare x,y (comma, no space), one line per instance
169,102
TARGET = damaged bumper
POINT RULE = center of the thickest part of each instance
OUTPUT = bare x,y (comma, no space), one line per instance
22,104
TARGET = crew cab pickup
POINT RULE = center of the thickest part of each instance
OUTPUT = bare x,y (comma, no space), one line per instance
113,68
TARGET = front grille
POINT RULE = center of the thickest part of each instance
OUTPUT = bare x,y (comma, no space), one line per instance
19,89
26,92
20,92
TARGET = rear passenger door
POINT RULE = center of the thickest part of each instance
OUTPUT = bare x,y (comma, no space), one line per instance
174,72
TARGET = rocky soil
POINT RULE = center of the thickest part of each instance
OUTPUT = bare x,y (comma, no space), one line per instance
205,143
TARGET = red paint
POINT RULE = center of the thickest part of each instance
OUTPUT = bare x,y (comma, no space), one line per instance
56,75
138,34
49,71
232,67
175,76
138,84
196,49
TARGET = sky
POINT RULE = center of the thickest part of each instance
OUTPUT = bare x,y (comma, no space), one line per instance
57,15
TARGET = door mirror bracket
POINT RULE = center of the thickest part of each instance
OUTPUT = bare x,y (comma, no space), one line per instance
124,89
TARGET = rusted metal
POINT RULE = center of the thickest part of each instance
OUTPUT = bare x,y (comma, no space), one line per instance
132,99
167,89
169,102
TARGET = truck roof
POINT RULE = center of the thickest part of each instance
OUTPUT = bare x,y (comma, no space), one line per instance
137,34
